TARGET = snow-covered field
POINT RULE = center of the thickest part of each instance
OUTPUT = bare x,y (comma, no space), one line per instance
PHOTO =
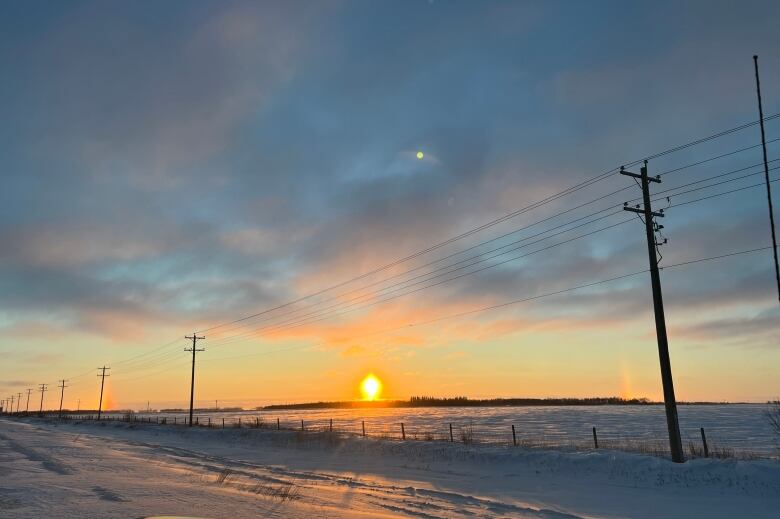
119,470
742,428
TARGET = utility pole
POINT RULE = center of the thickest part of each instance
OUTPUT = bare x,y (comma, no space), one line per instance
43,390
11,409
766,177
18,402
78,406
62,393
672,423
102,376
194,350
27,409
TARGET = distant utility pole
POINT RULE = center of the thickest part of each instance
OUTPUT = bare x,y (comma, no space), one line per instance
78,406
27,409
672,423
62,393
18,401
102,376
11,409
43,390
194,350
766,177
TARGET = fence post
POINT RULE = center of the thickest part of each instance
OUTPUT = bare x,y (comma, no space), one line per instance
595,439
704,441
331,425
403,432
514,436
209,422
278,425
451,437
175,420
257,422
364,428
197,420
302,426
223,423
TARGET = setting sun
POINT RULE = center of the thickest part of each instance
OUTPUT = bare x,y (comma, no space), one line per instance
371,387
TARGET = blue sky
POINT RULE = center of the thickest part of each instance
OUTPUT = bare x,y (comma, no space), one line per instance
168,166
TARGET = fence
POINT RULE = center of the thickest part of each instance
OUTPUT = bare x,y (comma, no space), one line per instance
464,433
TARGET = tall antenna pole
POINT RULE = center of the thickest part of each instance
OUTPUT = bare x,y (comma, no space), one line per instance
670,403
102,376
766,176
194,349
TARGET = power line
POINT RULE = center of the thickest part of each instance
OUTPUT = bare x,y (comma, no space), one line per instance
476,246
296,324
504,218
576,187
299,323
398,286
157,353
620,277
479,257
699,163
505,304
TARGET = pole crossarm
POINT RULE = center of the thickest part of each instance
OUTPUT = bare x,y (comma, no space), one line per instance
656,178
642,211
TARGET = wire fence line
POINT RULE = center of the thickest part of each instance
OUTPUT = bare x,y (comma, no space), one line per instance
463,432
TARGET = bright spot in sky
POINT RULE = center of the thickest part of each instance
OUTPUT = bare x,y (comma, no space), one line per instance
371,387
420,155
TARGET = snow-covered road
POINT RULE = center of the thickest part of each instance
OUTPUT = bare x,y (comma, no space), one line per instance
117,470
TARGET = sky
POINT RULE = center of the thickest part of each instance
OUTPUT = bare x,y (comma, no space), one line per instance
174,167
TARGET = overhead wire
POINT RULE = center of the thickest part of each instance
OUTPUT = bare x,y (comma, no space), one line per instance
546,200
496,221
393,288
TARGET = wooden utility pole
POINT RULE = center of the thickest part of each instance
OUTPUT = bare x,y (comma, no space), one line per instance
27,409
672,423
62,393
18,402
11,408
194,350
766,176
43,390
102,376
